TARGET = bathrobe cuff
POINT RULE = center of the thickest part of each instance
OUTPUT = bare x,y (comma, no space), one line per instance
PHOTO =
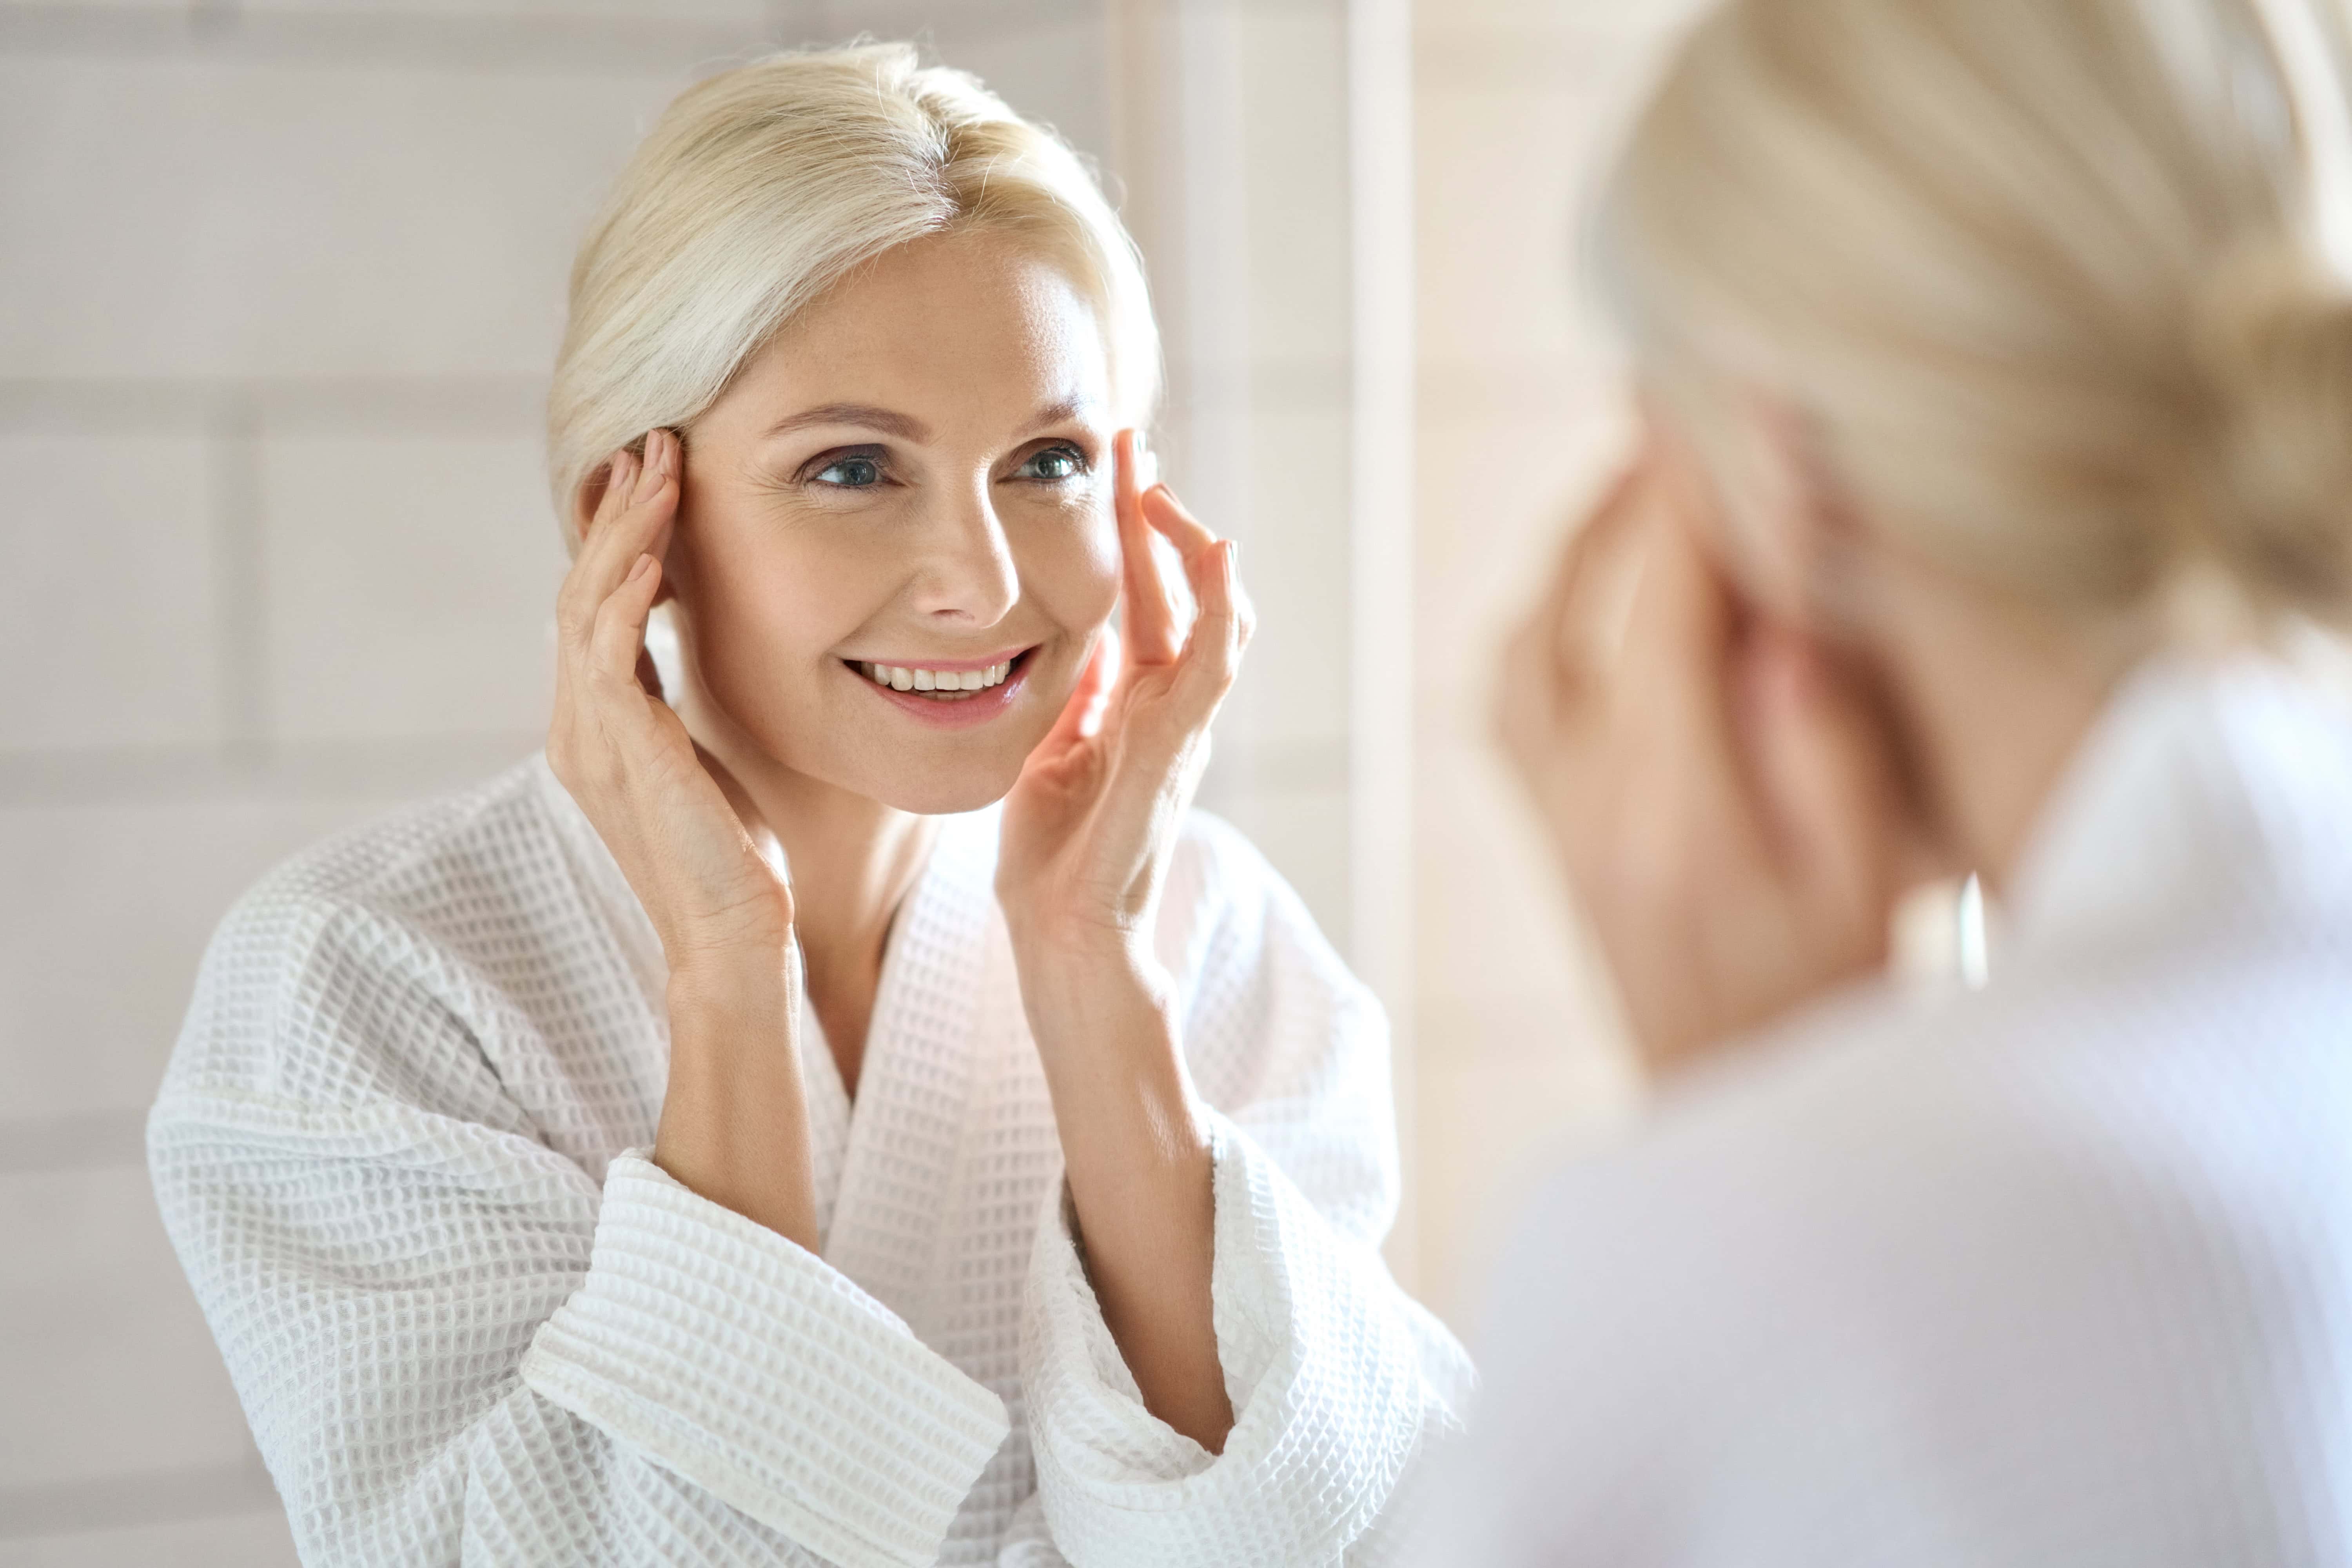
1320,1364
739,1360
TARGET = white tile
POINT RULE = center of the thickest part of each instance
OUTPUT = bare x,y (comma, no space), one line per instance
1488,1124
100,1333
1601,17
1303,834
1503,174
1295,214
752,14
1294,687
238,1541
1493,917
411,587
110,908
193,217
107,609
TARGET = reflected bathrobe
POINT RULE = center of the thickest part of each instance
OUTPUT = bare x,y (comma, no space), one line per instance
2057,1272
402,1150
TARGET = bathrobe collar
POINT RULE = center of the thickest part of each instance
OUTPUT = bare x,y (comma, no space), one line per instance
2210,791
885,1163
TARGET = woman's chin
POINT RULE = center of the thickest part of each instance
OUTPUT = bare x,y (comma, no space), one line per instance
965,790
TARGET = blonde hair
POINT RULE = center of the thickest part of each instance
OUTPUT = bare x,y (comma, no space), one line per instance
759,188
2041,276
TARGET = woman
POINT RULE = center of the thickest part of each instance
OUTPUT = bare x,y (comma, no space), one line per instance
2000,414
718,1140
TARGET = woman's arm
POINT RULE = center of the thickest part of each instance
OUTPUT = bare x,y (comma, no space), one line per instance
1229,1374
708,871
456,1346
1339,1383
1136,1150
1086,837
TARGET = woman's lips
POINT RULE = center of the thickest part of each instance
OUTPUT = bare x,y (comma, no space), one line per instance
955,709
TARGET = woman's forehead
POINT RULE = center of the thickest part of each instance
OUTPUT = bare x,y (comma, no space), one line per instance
955,331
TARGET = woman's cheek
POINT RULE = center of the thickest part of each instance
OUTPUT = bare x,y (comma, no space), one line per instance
1071,572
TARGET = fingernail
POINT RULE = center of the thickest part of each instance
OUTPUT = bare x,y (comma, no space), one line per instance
645,564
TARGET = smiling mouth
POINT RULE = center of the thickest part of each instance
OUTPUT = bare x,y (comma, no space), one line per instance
938,685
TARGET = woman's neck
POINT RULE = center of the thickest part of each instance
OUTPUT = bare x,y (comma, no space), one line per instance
852,862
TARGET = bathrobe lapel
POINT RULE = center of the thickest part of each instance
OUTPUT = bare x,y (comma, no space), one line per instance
897,1152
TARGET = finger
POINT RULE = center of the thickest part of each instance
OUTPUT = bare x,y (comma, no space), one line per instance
1213,653
1183,529
575,602
1828,780
643,498
1586,603
619,636
1081,716
1675,671
1150,613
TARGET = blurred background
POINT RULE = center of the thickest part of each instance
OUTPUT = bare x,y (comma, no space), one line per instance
279,282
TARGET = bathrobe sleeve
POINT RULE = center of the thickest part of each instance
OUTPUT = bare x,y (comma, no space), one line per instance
1339,1383
456,1346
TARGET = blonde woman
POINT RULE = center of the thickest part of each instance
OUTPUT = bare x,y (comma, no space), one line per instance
834,1105
2000,418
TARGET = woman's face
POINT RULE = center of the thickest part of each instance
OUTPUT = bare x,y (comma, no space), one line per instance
912,480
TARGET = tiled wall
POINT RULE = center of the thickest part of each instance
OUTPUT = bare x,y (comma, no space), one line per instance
280,285
1515,105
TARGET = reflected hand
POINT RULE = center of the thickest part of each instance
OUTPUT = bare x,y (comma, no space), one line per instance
1727,808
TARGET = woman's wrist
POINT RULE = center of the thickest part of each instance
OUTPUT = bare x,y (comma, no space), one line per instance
734,1123
1084,964
743,977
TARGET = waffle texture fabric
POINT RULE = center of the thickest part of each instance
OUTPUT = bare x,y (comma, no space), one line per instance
402,1150
2055,1271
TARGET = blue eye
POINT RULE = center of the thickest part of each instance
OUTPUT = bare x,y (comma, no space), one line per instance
1054,463
850,473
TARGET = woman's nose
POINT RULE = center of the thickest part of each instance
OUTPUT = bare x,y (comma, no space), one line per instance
966,574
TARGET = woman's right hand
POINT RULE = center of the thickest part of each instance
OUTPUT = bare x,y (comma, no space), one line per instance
733,1121
702,864
1727,808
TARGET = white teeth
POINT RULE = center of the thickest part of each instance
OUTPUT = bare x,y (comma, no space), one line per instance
908,678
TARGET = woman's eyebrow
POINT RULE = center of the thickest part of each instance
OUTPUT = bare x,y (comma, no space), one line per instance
1061,408
888,421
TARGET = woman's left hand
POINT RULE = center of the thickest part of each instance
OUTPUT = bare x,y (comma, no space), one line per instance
1082,847
1088,827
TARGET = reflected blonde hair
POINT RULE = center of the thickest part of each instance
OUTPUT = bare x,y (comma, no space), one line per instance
758,189
2041,276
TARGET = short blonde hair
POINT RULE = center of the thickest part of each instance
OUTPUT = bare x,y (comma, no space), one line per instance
759,188
2041,275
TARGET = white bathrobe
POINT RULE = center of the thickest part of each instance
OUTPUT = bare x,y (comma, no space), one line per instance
402,1151
2058,1272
